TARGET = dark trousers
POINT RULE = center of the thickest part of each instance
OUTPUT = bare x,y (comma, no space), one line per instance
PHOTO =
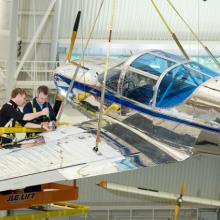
4,140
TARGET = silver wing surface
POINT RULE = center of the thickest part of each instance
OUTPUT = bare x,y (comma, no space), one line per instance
67,154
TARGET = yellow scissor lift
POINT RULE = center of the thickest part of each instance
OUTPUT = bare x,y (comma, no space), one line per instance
51,194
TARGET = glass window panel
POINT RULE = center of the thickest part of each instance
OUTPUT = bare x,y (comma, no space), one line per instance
112,79
169,55
202,69
177,85
152,64
138,87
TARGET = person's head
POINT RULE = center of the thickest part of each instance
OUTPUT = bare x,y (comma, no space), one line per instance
18,95
42,94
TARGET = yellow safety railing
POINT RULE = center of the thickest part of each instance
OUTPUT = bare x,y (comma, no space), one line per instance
68,209
19,129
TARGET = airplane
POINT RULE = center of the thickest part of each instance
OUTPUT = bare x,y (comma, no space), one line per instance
171,100
162,115
141,133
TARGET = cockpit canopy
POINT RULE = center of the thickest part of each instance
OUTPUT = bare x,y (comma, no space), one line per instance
152,64
158,78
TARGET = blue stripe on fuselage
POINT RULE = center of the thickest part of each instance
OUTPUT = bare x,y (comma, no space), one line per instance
130,104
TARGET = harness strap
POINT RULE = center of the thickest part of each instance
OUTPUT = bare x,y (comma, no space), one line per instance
33,108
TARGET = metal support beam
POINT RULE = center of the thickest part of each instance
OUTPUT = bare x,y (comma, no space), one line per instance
30,46
55,31
218,215
12,55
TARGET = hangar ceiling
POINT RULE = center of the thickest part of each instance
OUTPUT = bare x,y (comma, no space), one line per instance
134,20
136,23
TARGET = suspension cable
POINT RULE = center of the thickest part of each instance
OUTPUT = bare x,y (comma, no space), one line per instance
79,64
170,30
195,35
98,139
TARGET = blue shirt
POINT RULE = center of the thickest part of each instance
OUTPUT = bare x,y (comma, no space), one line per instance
28,108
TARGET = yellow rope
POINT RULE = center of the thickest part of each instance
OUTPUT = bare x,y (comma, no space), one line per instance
161,16
105,75
170,30
194,34
172,6
79,65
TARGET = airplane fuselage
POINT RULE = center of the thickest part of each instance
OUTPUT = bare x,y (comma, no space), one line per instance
173,100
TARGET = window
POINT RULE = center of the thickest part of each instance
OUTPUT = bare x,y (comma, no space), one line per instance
202,69
177,85
152,64
112,79
168,55
138,87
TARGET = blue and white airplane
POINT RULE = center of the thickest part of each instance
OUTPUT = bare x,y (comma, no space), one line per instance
167,111
172,100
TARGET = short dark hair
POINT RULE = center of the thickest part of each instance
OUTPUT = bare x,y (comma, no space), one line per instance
43,89
17,91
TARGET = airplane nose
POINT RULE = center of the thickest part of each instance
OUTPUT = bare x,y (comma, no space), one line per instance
207,94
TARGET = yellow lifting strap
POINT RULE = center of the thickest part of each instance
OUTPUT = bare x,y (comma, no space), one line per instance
81,59
11,130
73,36
194,34
101,111
161,17
68,209
170,30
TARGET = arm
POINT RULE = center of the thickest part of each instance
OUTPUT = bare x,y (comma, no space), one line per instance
31,116
32,125
51,112
37,126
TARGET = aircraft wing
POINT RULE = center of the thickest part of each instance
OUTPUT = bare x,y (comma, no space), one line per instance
67,154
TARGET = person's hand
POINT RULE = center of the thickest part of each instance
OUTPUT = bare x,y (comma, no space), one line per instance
52,125
45,126
45,111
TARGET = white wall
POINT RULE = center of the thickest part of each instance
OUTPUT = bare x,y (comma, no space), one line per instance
5,6
4,44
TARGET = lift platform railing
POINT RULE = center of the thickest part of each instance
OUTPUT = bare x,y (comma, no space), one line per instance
49,214
49,193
